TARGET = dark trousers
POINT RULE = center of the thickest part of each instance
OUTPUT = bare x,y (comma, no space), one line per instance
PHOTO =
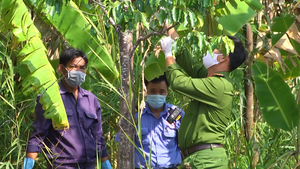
71,166
164,168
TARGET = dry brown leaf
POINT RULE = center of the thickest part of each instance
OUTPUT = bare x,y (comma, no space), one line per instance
285,44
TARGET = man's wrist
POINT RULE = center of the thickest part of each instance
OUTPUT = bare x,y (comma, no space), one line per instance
170,61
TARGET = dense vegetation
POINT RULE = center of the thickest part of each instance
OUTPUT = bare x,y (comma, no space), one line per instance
263,132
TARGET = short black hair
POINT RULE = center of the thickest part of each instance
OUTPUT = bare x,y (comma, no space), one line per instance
239,54
70,54
158,79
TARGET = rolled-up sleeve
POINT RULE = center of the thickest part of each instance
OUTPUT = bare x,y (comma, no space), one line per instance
40,130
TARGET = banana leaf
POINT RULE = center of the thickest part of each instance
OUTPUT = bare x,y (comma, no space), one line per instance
235,15
276,101
154,67
281,25
33,63
77,31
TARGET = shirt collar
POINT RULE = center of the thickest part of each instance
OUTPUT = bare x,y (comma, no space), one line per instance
63,89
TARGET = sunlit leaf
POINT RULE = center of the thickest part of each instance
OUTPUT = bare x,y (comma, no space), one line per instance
281,25
193,18
144,20
155,66
239,15
255,4
33,60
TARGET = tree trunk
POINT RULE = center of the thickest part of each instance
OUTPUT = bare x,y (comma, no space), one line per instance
248,115
126,148
298,137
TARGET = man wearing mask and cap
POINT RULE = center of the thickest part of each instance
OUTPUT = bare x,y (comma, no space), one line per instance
159,133
79,146
202,131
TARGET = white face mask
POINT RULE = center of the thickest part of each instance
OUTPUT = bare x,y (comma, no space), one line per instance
209,61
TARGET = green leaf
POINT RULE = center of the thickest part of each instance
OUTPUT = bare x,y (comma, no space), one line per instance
255,4
296,45
144,20
193,18
292,71
161,16
239,15
176,14
155,66
281,25
186,18
276,101
183,30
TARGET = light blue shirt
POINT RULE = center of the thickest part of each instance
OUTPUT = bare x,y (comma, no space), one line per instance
163,136
158,137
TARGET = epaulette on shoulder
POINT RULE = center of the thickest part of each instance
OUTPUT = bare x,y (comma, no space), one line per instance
217,75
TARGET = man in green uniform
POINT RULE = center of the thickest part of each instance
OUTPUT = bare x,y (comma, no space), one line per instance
202,131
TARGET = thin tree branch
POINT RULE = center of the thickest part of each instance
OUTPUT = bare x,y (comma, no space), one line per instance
156,33
111,20
142,39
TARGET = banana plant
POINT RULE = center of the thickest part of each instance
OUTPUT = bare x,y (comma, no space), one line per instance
281,63
77,30
32,61
278,105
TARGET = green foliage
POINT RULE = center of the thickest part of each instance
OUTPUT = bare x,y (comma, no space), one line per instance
199,44
276,101
14,110
255,4
236,11
155,66
200,25
280,26
273,146
293,70
34,62
76,29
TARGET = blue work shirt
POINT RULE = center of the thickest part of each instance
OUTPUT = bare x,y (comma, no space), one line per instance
78,144
158,137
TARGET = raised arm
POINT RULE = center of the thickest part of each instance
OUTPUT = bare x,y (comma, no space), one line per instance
187,62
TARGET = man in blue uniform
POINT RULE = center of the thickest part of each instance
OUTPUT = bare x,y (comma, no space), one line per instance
159,138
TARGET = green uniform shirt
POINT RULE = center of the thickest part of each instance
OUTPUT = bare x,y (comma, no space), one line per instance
209,111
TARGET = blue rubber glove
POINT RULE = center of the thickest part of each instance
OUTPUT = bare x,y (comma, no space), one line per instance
106,165
28,163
